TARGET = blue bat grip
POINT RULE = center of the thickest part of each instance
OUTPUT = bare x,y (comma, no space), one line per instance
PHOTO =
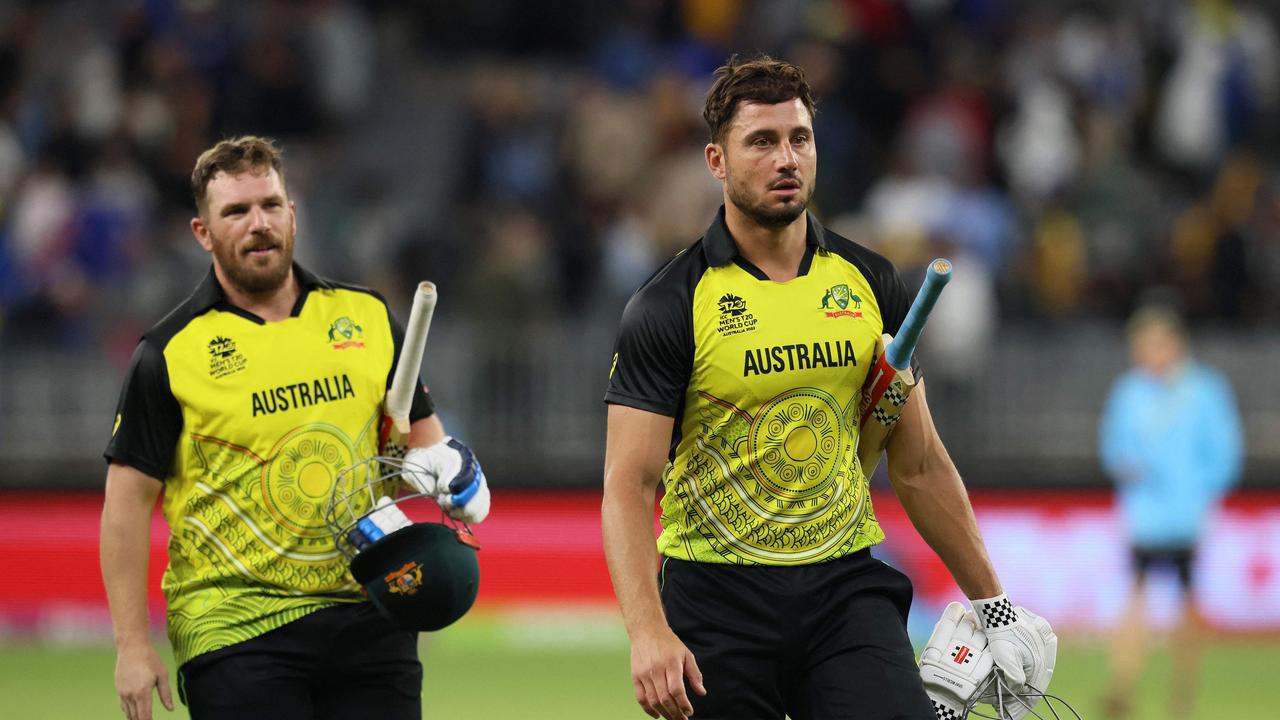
904,343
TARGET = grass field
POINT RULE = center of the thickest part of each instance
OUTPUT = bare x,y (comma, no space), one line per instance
571,666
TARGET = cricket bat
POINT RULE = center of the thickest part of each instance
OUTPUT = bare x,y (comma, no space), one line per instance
890,380
393,438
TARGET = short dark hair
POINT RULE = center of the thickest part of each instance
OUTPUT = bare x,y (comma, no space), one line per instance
234,156
761,80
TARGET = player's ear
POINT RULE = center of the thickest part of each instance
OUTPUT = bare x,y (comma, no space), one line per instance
715,160
201,231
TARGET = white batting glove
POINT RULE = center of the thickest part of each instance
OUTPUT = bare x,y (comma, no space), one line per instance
955,663
1023,646
1016,706
449,472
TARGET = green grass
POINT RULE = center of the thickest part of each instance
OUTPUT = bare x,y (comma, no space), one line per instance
574,666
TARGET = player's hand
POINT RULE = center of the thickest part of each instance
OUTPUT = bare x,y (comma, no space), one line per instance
1021,705
659,665
1022,644
139,671
449,472
955,663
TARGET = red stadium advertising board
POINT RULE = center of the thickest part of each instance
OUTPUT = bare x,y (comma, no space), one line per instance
1061,554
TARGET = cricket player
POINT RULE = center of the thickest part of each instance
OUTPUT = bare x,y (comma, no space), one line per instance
239,409
735,382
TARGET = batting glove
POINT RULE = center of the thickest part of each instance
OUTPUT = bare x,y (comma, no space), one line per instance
955,663
449,472
1022,645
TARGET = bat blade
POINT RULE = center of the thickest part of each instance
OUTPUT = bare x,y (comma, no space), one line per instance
890,381
394,433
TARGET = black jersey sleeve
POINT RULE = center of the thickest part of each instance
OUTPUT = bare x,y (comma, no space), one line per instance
148,418
895,299
653,354
423,406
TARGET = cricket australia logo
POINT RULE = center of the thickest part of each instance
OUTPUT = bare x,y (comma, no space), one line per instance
843,298
734,318
345,333
224,359
406,580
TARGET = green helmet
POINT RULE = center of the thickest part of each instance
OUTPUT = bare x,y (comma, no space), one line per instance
424,576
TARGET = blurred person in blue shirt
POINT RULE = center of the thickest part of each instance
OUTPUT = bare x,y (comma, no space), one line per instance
1171,439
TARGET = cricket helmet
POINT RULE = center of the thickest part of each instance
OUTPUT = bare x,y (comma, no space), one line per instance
996,701
421,576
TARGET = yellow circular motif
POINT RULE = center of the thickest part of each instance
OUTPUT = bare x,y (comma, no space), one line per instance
316,479
801,443
298,478
778,487
792,445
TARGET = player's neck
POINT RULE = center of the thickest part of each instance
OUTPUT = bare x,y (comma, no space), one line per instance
271,306
777,252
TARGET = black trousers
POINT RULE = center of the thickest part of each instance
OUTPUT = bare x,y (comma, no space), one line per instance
1178,557
340,662
816,642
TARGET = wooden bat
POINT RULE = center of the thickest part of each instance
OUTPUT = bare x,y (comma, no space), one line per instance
890,381
393,438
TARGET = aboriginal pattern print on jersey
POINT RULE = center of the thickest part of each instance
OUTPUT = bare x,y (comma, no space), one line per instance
776,488
763,381
248,424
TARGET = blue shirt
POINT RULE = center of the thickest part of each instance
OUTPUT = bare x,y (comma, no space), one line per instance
1174,446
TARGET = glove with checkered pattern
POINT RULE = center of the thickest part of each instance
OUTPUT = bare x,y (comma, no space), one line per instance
954,663
1022,645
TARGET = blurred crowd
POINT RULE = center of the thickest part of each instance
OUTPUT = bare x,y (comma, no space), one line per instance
540,159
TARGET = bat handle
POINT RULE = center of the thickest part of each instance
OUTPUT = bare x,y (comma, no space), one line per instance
904,343
404,382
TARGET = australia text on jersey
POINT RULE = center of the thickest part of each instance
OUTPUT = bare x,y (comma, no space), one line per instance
302,394
798,356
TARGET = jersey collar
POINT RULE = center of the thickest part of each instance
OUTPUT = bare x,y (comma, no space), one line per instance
210,294
721,249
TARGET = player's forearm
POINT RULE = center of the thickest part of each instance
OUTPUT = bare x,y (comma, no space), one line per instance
426,432
934,497
630,550
124,548
938,506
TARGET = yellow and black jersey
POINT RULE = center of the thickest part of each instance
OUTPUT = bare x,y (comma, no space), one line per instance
763,379
248,423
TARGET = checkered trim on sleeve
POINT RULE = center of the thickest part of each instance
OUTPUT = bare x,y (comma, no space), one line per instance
944,712
996,612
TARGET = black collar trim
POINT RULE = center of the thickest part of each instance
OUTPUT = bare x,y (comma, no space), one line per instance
209,294
721,249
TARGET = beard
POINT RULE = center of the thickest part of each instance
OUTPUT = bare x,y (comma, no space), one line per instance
773,218
253,276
